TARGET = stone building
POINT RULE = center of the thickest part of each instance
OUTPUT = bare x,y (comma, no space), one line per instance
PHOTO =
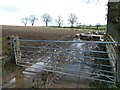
113,20
113,30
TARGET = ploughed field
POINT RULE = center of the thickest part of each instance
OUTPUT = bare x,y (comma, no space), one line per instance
36,32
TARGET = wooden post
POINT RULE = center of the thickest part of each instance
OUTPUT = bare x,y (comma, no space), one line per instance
16,48
12,48
18,52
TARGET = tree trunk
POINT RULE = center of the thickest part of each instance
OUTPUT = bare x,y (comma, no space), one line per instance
46,24
71,25
59,25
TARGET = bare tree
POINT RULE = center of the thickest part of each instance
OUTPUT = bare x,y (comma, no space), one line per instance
24,21
59,20
33,19
72,19
46,18
97,26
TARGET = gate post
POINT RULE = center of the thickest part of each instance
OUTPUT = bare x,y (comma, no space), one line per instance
16,53
12,48
118,63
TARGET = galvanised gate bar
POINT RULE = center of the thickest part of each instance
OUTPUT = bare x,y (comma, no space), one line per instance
82,59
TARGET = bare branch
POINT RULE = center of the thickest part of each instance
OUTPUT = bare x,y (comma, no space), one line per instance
72,19
33,19
59,20
24,21
46,18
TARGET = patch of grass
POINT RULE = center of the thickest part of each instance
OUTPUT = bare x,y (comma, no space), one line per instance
5,60
6,51
103,85
86,27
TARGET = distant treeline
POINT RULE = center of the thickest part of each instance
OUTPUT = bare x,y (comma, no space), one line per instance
72,20
101,27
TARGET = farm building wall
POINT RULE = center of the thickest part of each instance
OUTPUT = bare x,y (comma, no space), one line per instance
113,22
113,29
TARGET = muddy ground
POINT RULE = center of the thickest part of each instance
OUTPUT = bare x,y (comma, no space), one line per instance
9,69
41,33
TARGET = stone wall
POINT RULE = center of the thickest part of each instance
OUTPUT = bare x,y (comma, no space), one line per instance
113,29
113,22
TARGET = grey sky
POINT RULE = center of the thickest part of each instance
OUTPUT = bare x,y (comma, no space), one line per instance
90,12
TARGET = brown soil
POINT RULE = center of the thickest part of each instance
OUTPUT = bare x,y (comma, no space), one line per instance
31,32
9,71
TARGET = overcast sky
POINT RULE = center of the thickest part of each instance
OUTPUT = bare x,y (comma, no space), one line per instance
87,11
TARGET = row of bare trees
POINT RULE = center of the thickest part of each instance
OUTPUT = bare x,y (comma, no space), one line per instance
32,19
46,18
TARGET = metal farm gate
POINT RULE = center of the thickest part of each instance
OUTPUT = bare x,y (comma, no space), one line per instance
83,59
